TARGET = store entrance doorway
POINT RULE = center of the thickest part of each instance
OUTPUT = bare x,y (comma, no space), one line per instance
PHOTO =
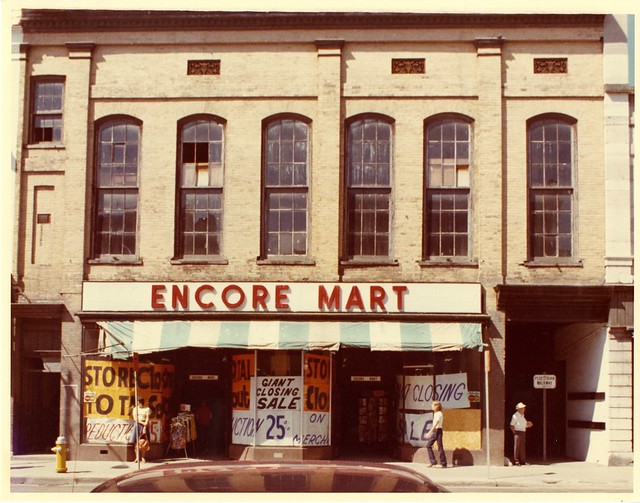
205,387
367,404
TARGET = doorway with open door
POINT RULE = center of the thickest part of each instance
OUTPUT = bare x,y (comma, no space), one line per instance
204,385
367,404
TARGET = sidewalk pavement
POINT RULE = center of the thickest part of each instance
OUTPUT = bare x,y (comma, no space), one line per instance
560,476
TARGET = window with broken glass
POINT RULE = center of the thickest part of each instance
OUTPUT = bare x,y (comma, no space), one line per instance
46,111
201,175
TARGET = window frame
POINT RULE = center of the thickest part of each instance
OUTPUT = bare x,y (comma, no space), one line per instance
427,256
267,189
350,258
34,113
548,260
115,258
179,249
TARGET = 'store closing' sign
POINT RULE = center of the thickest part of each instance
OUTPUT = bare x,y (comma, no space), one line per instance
544,381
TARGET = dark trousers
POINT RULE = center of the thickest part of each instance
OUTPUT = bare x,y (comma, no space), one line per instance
519,447
436,437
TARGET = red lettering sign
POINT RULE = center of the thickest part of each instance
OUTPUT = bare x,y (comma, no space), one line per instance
282,299
157,299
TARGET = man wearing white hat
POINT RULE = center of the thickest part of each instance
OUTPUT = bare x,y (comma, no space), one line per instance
519,425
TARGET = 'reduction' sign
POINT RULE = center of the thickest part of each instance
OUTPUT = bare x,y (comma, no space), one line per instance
544,381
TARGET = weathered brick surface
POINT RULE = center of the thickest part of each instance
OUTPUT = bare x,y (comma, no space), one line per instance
270,72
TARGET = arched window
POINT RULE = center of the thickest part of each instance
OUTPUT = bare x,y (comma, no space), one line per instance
551,187
285,182
368,187
448,150
201,179
116,219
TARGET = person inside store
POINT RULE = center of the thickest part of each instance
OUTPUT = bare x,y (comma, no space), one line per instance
519,425
204,417
435,435
140,415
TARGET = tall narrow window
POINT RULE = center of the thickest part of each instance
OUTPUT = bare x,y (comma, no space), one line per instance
447,180
46,111
200,192
551,191
286,187
369,189
118,145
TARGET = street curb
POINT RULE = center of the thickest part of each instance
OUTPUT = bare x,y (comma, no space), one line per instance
83,480
50,481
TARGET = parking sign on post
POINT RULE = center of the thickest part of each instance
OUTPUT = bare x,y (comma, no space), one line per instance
544,382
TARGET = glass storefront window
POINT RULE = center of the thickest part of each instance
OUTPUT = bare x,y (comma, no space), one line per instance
452,377
289,399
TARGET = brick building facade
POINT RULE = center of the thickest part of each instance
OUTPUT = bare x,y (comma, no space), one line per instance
238,199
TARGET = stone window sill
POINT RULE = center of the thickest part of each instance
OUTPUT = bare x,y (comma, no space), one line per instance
303,261
369,262
115,261
558,264
449,262
200,261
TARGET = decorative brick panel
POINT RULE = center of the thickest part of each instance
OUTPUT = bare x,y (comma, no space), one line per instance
203,67
550,65
413,65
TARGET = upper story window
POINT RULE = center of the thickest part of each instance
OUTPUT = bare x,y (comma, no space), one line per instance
368,186
286,187
447,187
46,110
201,179
117,159
551,187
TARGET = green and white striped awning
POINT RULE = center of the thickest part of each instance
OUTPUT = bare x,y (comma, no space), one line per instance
125,337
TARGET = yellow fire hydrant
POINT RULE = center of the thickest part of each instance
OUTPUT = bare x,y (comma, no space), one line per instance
61,454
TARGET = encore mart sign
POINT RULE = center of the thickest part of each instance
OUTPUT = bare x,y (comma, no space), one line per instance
286,297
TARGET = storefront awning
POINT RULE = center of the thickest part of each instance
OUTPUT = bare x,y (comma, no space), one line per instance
125,337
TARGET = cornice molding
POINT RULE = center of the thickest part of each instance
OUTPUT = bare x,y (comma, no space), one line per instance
554,302
80,20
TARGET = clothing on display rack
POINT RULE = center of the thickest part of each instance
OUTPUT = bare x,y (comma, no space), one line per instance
183,431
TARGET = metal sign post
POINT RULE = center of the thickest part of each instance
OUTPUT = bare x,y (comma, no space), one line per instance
544,382
135,418
487,359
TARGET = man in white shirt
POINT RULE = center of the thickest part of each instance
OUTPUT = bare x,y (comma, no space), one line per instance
519,425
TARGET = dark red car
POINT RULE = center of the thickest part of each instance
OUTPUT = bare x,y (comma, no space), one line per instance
280,477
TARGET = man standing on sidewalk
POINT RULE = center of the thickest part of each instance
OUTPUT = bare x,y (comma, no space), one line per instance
435,435
519,425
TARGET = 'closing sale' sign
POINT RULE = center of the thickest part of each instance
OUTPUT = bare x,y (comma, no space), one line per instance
282,410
